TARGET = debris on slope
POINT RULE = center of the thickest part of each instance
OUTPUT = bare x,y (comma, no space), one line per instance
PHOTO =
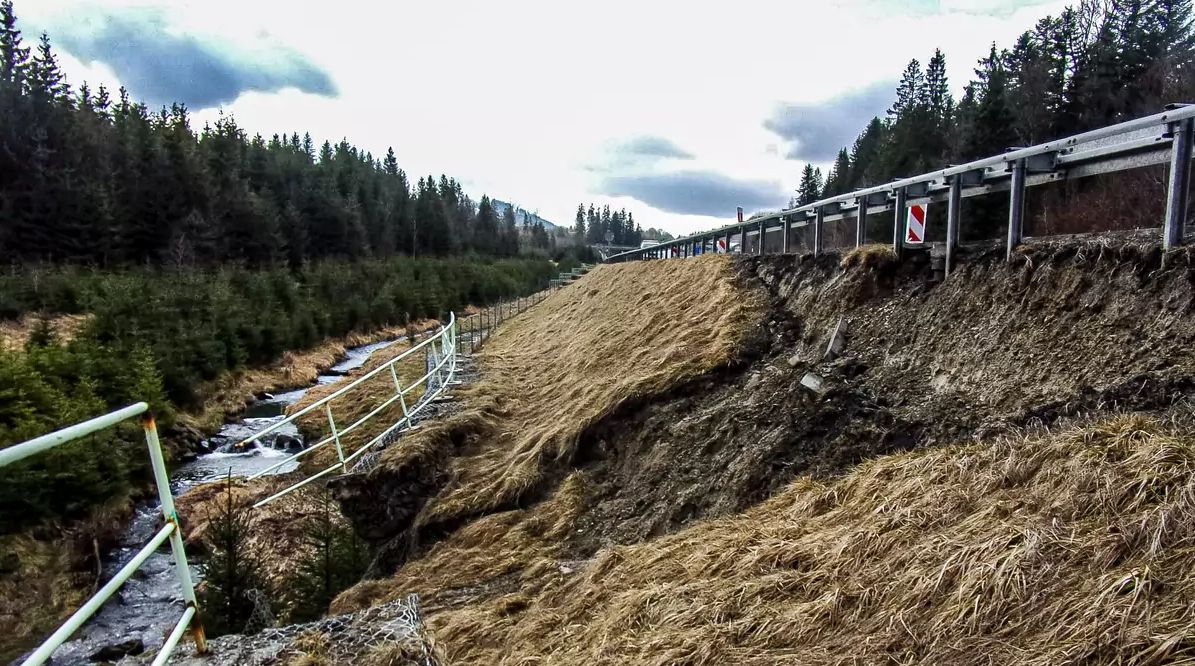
784,415
1071,547
617,337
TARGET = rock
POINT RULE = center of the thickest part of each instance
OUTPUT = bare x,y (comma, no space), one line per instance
837,340
287,442
117,650
188,456
794,360
813,382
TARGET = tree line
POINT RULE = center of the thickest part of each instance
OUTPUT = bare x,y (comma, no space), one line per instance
1097,63
88,176
600,225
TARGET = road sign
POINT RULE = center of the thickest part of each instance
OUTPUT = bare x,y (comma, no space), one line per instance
740,211
915,224
720,246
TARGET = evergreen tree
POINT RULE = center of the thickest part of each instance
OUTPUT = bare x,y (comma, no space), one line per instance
335,560
810,187
232,576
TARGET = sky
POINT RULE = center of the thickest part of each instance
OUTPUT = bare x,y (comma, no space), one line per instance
676,111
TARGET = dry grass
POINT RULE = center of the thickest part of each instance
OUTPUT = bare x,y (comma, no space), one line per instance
874,255
232,392
46,573
1067,548
14,334
356,403
621,333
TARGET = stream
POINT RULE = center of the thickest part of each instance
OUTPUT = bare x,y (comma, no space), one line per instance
146,608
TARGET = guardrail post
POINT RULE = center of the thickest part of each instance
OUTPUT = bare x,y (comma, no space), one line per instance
861,223
1016,207
784,224
170,515
898,223
759,249
818,238
953,209
1179,185
335,435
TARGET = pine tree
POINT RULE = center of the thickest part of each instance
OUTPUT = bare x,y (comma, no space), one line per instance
579,224
231,573
810,187
335,560
838,182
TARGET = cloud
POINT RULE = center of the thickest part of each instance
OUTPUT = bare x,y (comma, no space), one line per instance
653,146
160,65
818,131
696,192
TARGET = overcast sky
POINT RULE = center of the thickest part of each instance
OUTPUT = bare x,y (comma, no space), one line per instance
678,111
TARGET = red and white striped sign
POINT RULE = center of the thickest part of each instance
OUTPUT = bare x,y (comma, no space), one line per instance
915,225
721,246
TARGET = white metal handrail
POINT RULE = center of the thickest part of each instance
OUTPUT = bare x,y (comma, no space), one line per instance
443,372
170,530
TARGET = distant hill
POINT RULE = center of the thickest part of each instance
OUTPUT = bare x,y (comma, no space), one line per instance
520,214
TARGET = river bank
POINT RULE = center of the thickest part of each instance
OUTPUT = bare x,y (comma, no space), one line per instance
49,571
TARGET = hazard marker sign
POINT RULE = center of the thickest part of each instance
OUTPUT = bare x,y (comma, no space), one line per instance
915,224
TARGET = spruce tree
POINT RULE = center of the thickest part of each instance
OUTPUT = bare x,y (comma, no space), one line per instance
231,574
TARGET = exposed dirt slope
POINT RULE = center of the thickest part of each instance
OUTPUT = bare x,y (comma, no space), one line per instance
1069,328
1069,548
617,337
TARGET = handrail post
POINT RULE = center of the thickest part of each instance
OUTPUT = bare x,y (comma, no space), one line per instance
170,515
402,402
335,435
1016,207
953,210
1179,185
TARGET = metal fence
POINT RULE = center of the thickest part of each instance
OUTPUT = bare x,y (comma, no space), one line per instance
1163,138
170,531
435,381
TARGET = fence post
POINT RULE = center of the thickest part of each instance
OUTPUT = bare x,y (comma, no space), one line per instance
898,224
818,239
1016,207
335,435
1179,185
170,515
953,208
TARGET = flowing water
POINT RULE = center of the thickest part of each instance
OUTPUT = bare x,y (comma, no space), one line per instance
148,605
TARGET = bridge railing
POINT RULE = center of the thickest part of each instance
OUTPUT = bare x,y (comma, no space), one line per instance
443,345
170,531
1163,138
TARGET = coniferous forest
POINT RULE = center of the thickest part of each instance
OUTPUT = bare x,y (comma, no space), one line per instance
1095,64
194,252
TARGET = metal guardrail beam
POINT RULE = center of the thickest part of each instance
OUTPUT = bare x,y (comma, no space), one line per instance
1156,139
